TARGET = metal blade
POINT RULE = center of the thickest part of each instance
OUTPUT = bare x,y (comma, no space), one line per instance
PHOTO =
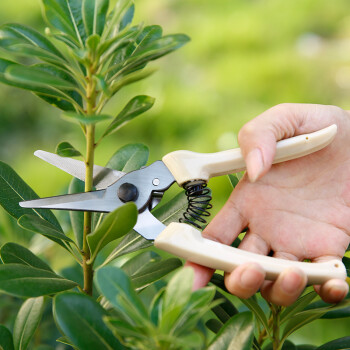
103,177
97,201
148,226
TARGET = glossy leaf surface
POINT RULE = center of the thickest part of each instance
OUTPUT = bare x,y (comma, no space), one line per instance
12,253
6,341
66,16
337,344
81,319
65,149
25,35
27,321
14,190
117,288
148,267
94,15
135,107
236,334
26,281
115,225
36,77
129,157
36,224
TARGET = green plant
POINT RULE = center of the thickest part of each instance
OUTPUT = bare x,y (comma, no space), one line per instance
90,52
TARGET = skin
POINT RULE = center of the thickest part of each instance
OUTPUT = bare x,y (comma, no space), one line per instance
299,209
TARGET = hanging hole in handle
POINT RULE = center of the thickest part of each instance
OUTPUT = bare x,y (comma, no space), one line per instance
336,265
307,137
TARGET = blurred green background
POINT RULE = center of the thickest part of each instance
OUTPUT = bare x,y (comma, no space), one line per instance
244,57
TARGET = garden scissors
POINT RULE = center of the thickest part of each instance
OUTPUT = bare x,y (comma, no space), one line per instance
145,187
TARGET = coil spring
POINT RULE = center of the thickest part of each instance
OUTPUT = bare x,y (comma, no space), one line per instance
198,196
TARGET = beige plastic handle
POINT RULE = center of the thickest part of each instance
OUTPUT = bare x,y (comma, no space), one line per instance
187,242
188,166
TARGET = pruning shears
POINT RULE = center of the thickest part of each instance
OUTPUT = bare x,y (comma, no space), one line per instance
145,187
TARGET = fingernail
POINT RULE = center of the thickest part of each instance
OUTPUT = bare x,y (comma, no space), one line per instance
255,164
252,277
291,281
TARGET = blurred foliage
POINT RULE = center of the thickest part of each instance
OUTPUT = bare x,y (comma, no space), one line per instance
245,56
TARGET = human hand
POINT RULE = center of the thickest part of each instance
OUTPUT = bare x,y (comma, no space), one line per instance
299,209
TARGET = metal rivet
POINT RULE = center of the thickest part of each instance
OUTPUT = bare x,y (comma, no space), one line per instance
156,182
128,192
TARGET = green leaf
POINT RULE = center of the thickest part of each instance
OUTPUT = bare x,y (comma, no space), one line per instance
81,319
168,212
21,34
6,341
288,345
132,242
94,16
93,41
337,344
130,157
179,289
144,38
115,225
117,84
214,325
36,224
117,288
36,77
112,45
233,180
154,271
337,311
12,253
65,149
156,49
26,281
173,209
225,310
77,217
66,16
138,262
127,18
14,190
116,16
236,334
298,306
300,320
136,106
85,119
253,306
64,340
27,321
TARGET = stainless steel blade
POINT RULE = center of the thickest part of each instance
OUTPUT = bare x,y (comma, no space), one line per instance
149,182
103,177
148,226
88,201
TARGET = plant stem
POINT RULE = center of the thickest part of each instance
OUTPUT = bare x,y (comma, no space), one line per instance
276,311
89,165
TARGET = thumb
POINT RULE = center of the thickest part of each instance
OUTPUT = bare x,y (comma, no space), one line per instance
258,137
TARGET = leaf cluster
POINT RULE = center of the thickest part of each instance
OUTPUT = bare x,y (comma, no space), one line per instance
169,322
89,52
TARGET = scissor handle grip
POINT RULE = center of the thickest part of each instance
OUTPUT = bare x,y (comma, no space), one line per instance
187,242
189,166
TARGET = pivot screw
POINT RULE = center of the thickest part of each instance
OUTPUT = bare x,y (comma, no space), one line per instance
156,182
128,192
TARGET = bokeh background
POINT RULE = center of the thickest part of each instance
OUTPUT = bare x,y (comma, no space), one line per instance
244,57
